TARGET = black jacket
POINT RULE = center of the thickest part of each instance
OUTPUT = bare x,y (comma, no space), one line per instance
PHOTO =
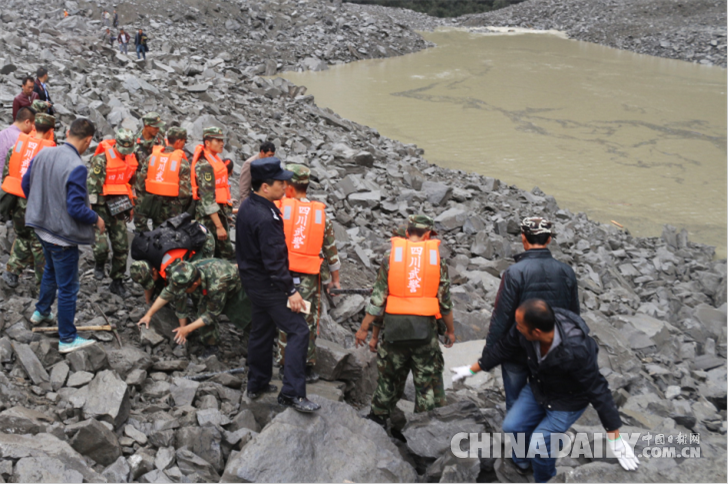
38,88
535,275
568,379
260,247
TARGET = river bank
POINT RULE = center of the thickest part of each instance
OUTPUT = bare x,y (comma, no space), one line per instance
657,306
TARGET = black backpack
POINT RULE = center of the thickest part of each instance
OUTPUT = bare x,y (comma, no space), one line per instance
180,232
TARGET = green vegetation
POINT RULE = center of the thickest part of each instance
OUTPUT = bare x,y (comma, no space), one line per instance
443,8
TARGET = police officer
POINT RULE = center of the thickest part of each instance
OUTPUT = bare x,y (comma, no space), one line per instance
26,249
167,180
215,289
112,173
308,233
263,263
211,189
149,137
412,291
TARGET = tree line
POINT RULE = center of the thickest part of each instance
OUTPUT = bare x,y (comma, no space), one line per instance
443,8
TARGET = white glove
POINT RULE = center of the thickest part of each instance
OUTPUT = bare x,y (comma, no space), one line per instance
624,454
461,372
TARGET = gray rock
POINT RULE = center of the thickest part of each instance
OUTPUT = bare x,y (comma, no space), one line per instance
436,193
108,399
135,434
31,364
164,458
365,199
118,471
348,307
451,219
91,359
428,434
313,444
449,468
95,440
45,469
150,337
128,358
244,420
139,464
21,420
58,376
204,442
79,379
183,391
188,462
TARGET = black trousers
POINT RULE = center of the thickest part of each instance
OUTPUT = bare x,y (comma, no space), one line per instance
269,314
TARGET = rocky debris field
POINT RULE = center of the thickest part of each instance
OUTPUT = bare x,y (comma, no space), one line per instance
656,306
693,31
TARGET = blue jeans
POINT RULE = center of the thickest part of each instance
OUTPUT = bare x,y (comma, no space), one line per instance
60,274
515,377
140,50
530,418
124,48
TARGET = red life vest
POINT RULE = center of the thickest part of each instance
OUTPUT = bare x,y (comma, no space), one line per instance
414,278
304,224
222,188
24,150
119,169
163,172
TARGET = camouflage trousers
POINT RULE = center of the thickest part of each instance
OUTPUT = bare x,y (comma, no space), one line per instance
394,363
159,209
223,248
116,233
238,310
310,290
27,250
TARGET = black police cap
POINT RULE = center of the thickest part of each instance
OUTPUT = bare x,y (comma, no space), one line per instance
269,169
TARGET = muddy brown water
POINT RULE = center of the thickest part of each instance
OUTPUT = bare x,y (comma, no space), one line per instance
617,135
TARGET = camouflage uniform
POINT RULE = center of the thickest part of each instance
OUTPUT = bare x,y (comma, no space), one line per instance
220,291
141,271
394,361
41,107
309,285
26,249
167,207
115,225
142,150
207,204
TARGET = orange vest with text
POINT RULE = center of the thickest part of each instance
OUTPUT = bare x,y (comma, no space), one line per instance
304,224
163,172
24,150
414,278
119,169
222,188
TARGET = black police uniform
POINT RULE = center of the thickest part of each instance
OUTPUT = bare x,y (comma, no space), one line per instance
260,247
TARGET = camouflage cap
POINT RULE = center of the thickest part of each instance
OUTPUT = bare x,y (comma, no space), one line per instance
125,141
301,173
421,222
212,132
40,106
152,119
400,231
536,226
175,132
181,277
141,273
45,120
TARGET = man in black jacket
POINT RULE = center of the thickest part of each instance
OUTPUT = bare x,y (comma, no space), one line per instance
42,90
536,274
564,378
262,254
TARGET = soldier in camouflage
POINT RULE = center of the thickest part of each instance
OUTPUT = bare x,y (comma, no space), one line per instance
151,280
115,225
213,215
395,360
40,106
159,208
309,285
214,287
149,137
26,250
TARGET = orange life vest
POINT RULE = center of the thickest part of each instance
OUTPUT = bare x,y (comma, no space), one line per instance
119,169
24,150
222,188
163,172
171,256
304,224
414,278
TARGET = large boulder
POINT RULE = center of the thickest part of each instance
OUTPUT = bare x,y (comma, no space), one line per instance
107,399
44,469
332,445
21,420
95,440
128,358
91,359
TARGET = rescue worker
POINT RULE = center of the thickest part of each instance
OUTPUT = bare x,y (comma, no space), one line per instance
308,232
167,180
26,249
412,291
211,190
149,137
109,184
215,288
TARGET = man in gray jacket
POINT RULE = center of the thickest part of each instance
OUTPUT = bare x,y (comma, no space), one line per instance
60,215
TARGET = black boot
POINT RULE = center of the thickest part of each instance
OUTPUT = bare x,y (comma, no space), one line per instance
300,404
311,375
99,272
267,389
117,287
10,279
377,419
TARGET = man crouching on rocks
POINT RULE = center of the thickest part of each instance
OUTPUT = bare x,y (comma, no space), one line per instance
412,291
564,378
